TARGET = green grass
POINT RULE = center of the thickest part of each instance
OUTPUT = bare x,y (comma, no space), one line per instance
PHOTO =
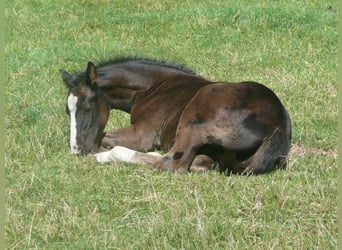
57,201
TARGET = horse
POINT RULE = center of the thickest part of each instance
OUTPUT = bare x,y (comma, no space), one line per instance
243,126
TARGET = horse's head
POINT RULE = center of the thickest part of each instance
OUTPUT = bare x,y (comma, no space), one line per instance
87,110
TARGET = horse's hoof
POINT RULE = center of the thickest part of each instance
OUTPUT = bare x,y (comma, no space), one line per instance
202,164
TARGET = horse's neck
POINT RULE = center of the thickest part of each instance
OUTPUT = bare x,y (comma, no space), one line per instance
120,98
120,86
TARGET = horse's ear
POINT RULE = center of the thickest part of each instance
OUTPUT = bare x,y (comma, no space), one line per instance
67,78
91,74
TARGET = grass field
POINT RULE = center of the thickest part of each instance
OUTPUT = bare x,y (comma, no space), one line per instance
58,201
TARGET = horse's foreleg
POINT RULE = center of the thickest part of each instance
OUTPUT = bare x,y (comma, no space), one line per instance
129,137
177,161
124,154
182,154
118,137
202,164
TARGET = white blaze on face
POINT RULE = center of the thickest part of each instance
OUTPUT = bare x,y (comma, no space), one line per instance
72,101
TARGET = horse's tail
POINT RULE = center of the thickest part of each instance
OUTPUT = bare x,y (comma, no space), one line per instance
273,151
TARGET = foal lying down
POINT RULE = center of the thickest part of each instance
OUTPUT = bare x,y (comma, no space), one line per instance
241,128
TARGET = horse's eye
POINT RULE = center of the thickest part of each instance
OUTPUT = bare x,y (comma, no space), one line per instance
86,106
91,99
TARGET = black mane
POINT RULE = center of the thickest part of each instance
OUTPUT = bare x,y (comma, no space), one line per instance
162,63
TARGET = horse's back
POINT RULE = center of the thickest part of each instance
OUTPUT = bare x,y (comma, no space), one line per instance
243,101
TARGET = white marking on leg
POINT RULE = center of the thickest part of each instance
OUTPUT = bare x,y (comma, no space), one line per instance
118,153
154,153
72,101
124,154
104,157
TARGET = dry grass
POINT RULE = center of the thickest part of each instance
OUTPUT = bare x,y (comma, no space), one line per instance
302,151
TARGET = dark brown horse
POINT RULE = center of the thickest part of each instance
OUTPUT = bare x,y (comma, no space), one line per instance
241,126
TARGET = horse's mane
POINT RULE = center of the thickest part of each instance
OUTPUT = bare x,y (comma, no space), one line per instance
162,63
